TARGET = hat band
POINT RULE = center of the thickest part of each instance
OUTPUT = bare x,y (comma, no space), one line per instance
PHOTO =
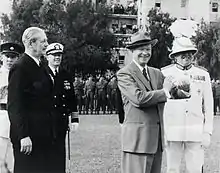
51,51
141,41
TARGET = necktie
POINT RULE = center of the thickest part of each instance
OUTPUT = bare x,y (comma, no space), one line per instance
56,72
40,64
145,74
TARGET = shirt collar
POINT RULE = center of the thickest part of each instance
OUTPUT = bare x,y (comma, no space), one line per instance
53,69
184,67
35,59
140,67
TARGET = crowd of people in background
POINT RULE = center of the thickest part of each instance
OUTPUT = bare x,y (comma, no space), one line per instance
96,94
130,9
216,95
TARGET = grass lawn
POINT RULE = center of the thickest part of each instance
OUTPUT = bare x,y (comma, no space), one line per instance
95,147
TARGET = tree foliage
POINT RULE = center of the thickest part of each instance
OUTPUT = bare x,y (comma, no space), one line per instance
78,25
159,24
208,43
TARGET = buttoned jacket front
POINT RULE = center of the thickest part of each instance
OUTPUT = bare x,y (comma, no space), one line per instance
188,119
143,107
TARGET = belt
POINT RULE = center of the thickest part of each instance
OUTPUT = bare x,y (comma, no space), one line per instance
3,106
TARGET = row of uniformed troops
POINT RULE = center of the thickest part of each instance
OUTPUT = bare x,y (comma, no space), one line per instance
96,95
216,95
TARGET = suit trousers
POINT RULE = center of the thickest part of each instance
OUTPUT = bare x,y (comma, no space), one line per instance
46,159
192,151
6,156
142,162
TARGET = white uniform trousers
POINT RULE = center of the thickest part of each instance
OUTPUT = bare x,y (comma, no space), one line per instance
6,156
192,151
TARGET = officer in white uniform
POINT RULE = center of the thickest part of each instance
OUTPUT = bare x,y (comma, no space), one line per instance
188,114
9,54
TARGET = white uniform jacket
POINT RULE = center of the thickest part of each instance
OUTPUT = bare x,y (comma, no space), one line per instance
4,119
188,119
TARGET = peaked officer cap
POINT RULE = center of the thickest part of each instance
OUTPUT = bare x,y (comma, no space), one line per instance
13,48
54,48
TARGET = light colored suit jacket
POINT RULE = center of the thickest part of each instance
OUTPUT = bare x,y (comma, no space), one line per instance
143,108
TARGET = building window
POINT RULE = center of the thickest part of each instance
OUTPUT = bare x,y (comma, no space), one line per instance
214,7
183,3
157,4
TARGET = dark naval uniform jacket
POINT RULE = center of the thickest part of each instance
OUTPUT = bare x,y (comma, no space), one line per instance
63,105
64,102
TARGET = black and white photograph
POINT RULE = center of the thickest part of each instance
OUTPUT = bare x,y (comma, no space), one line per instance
109,86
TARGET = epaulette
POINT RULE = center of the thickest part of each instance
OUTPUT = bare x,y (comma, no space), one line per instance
168,66
201,67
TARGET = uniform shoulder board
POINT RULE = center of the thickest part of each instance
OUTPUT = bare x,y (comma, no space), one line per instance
166,67
201,67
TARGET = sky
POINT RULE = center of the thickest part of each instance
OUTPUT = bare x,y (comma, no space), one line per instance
5,6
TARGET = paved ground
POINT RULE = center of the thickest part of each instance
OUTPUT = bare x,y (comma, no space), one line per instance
95,148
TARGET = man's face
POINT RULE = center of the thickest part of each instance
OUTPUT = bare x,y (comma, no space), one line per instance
9,59
142,54
55,59
40,45
184,58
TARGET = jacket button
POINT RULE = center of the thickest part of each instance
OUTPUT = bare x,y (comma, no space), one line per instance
64,114
187,111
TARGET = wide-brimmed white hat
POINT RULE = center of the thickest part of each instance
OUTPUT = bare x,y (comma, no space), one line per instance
182,44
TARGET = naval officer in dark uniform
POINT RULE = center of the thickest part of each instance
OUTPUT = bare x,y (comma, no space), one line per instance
64,104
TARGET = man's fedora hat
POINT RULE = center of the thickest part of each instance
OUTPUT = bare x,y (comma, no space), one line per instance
54,48
139,39
11,48
182,44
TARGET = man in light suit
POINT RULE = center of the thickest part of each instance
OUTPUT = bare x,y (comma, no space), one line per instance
144,93
188,115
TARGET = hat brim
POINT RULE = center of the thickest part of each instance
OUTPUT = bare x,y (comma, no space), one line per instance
10,52
142,43
171,55
54,52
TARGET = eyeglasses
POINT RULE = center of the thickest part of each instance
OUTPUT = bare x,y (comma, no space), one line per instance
186,55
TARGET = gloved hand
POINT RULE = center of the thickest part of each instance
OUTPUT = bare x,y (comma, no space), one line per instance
181,94
206,140
168,83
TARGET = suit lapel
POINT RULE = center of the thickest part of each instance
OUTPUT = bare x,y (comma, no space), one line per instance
50,74
152,78
137,72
